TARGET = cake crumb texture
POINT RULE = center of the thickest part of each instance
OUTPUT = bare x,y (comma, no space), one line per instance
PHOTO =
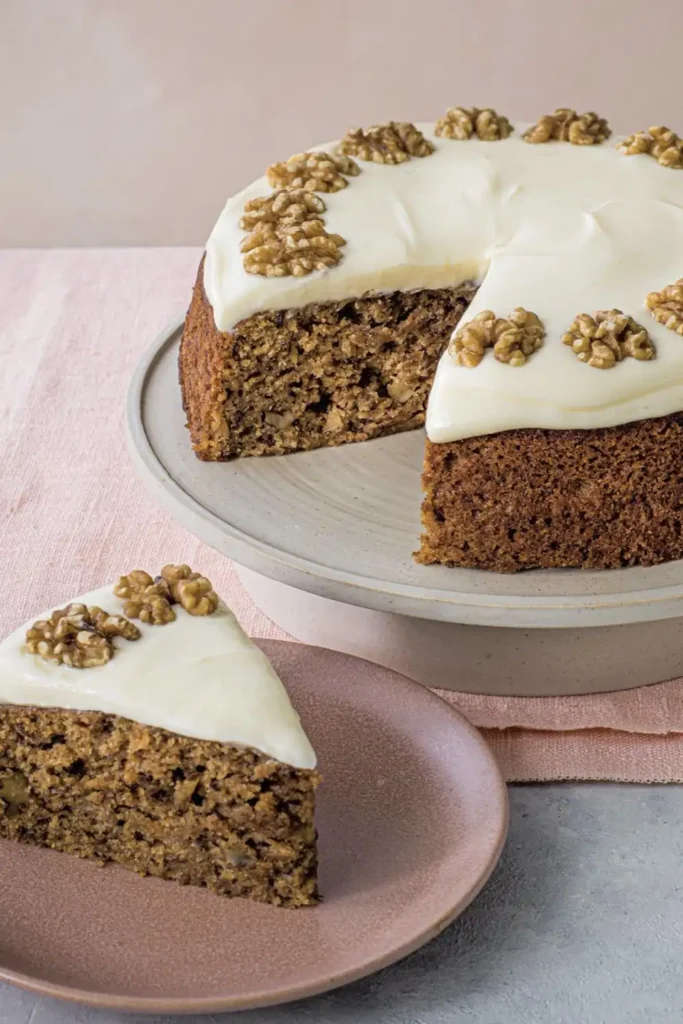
527,499
200,813
324,374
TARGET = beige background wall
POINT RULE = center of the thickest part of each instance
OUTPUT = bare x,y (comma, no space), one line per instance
130,121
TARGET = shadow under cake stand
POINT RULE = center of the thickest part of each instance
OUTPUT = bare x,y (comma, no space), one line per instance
323,543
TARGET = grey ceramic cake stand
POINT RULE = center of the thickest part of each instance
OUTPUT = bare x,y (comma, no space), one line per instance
323,540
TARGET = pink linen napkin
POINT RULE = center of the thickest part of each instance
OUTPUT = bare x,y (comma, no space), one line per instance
73,325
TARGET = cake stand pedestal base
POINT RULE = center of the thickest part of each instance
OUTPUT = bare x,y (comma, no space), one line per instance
478,659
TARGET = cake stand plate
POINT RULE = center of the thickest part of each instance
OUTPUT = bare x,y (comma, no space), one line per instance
325,538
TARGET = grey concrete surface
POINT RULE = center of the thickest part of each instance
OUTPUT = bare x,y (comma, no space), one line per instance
582,923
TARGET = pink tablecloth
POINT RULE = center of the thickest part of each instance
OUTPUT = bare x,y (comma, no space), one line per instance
73,325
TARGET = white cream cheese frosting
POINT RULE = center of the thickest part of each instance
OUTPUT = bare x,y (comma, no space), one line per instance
555,228
198,676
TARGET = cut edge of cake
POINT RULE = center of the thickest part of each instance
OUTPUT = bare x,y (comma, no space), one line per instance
318,376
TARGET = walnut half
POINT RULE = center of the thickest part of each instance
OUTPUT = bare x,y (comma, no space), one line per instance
659,142
151,600
607,337
314,172
565,125
390,143
513,339
667,306
144,598
292,251
78,636
190,589
287,235
462,123
284,207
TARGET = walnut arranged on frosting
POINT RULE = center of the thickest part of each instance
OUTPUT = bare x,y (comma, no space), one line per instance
607,337
390,143
513,339
78,636
659,142
284,207
315,172
145,598
111,625
151,600
463,123
287,235
190,589
565,125
667,306
293,251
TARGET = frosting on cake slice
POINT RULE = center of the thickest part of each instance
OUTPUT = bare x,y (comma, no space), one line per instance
198,675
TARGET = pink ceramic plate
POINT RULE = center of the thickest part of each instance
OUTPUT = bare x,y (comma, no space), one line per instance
412,819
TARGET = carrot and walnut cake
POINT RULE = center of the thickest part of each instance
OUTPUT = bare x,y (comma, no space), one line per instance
140,725
517,288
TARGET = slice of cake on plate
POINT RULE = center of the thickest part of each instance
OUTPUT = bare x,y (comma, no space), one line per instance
140,725
520,287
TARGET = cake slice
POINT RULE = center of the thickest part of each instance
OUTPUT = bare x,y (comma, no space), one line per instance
140,725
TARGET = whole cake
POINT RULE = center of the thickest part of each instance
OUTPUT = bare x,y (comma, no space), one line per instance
140,725
520,287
